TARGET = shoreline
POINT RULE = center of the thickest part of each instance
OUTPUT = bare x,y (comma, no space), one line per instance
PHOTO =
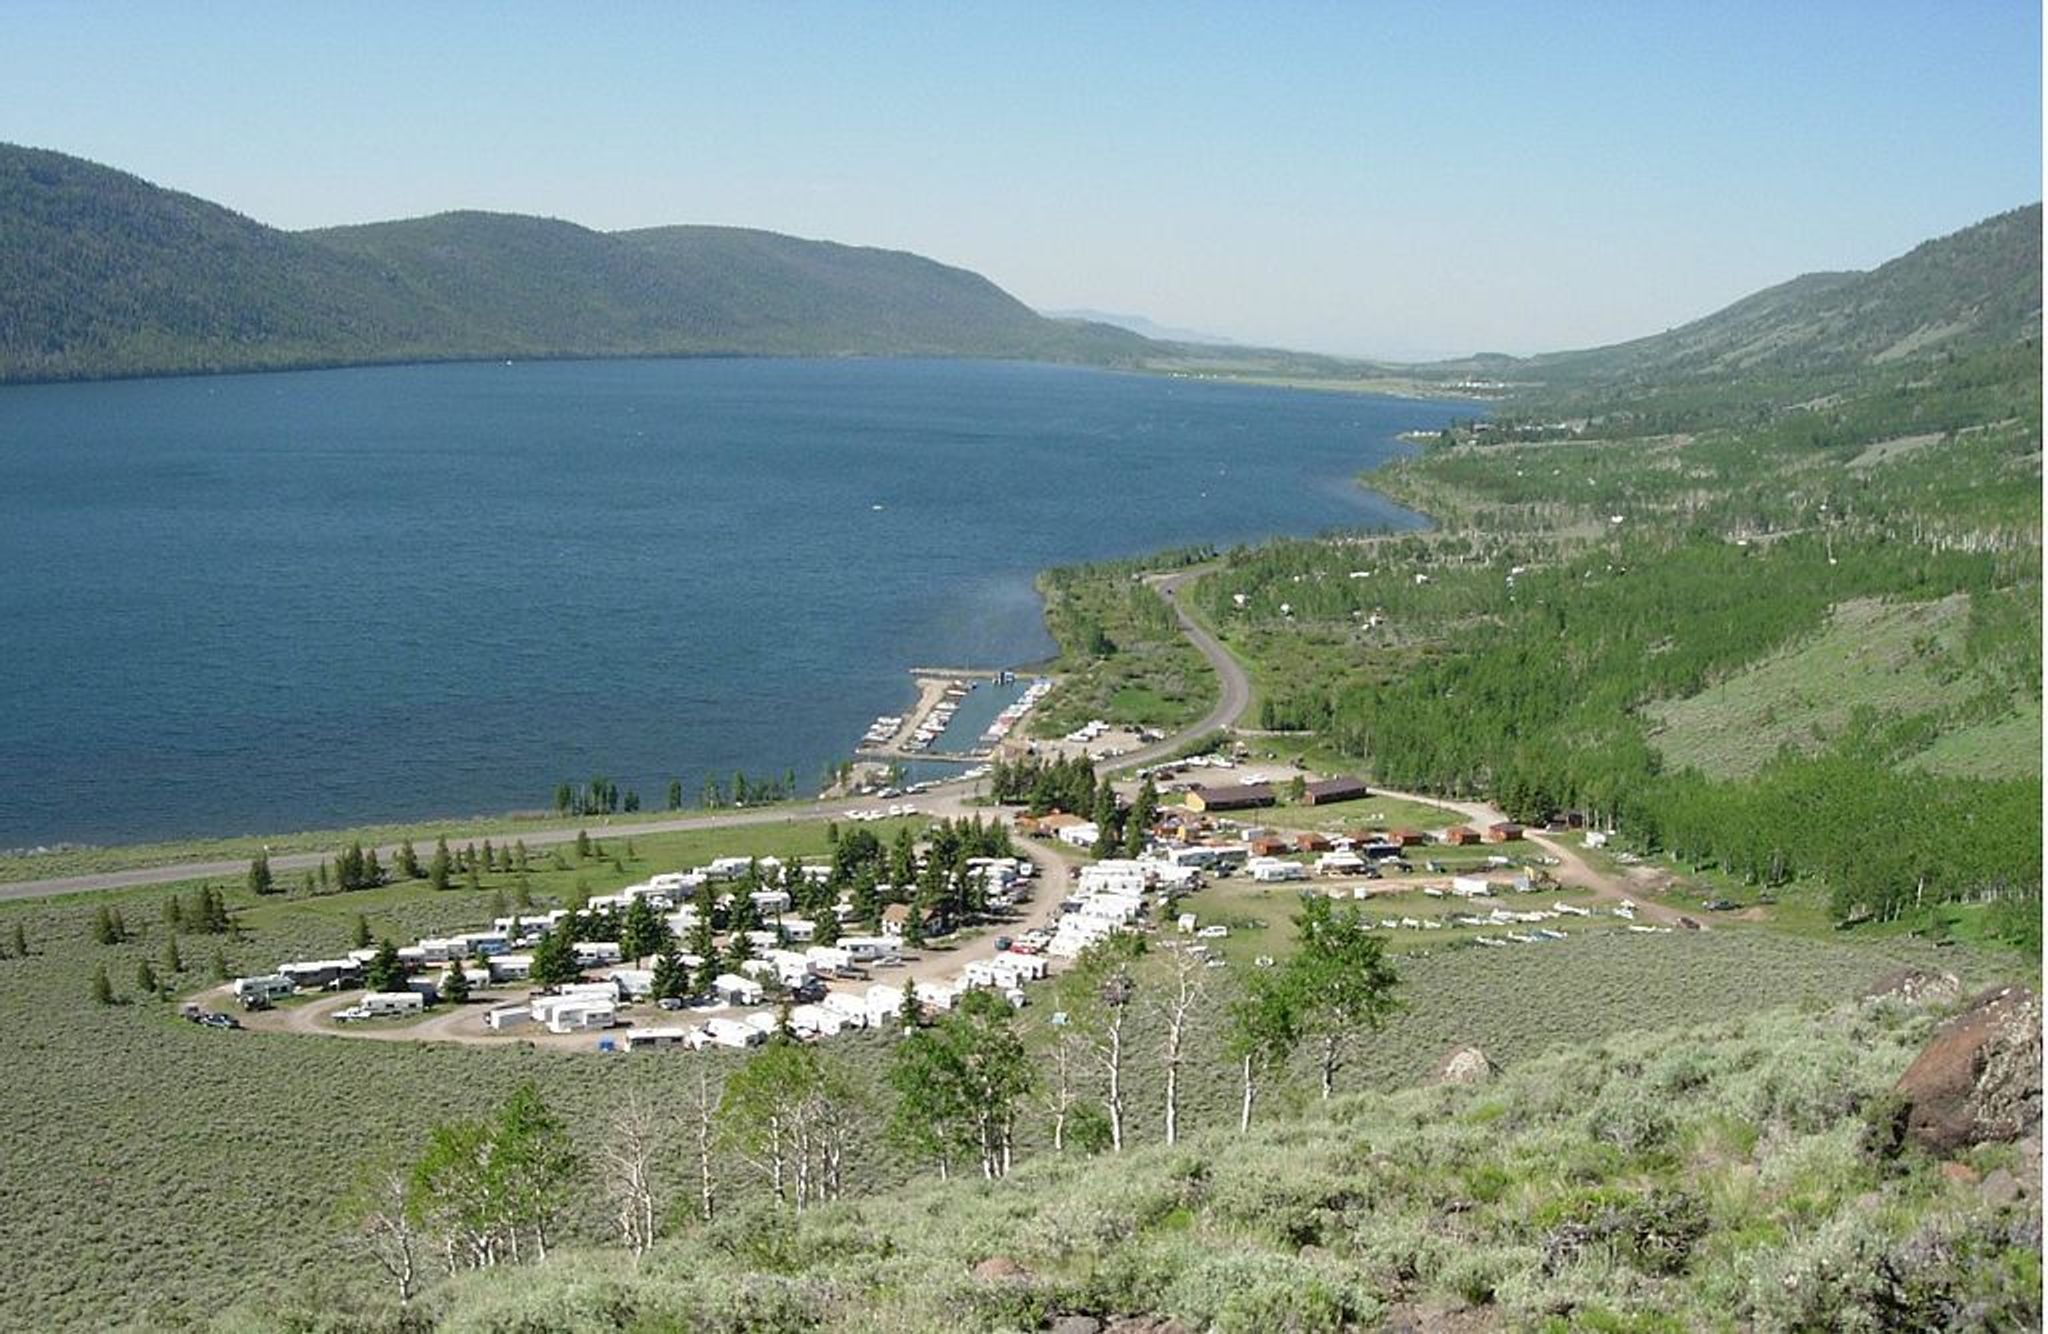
205,853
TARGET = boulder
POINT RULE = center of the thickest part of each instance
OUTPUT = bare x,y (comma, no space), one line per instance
1001,1269
1464,1065
1916,986
2001,1187
1979,1077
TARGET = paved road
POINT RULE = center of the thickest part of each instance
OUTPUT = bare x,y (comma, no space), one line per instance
1234,693
946,799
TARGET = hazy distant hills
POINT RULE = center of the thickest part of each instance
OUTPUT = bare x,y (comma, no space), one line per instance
1973,288
106,274
1139,324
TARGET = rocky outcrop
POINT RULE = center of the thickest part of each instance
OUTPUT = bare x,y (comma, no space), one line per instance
1979,1077
1464,1065
1915,986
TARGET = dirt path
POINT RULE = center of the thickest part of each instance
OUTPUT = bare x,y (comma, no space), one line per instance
1571,869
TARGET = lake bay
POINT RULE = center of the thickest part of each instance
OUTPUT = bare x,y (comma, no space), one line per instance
271,602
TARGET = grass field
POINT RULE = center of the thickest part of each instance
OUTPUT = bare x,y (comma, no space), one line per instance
1893,659
121,857
1122,657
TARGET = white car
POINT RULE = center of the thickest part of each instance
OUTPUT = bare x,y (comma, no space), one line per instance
349,1014
1213,932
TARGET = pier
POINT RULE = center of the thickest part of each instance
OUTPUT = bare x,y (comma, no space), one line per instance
913,735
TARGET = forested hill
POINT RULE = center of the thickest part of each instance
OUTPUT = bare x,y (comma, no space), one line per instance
108,275
1976,288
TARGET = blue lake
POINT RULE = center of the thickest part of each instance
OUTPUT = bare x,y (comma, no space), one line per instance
272,602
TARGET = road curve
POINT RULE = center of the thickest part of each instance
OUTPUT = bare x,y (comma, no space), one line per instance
1234,688
942,799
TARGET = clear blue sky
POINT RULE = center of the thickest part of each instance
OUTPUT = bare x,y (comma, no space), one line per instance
1388,178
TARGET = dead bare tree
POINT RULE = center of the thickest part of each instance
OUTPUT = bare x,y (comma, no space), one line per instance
1116,992
386,1230
1060,1095
635,1135
704,1120
1174,1009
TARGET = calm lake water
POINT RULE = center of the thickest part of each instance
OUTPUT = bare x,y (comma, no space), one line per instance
286,601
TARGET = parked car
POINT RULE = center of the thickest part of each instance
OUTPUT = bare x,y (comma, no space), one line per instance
1003,943
670,1002
220,1021
349,1014
1718,905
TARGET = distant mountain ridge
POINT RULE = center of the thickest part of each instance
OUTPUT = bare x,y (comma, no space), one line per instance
1139,324
108,275
1971,288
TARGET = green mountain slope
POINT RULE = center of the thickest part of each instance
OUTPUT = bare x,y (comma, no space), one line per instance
1975,287
109,275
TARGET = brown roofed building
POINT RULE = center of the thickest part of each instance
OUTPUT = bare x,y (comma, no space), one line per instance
1504,832
1459,835
1245,797
1311,843
1407,838
1270,847
1335,789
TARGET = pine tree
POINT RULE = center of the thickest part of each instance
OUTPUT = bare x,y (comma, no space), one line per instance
671,980
174,962
103,927
361,935
409,861
470,881
554,959
675,794
145,979
102,986
174,913
20,942
438,873
259,875
217,920
643,932
384,972
455,985
1138,827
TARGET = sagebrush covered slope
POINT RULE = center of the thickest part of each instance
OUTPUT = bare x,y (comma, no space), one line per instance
107,274
1746,1177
